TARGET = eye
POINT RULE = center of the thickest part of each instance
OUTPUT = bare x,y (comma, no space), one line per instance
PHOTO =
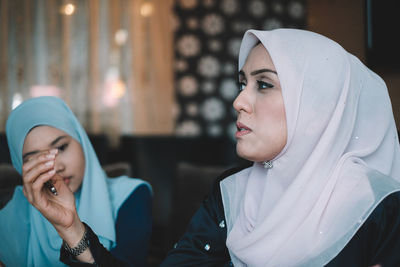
62,147
242,85
264,85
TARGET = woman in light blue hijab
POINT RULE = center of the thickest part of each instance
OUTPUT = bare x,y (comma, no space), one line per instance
47,143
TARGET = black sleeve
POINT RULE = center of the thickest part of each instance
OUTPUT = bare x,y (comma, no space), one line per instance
384,243
203,243
378,239
133,229
100,254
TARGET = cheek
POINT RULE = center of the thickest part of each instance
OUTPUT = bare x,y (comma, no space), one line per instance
272,123
270,117
82,164
270,104
79,160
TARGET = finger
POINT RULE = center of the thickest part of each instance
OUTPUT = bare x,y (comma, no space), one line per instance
39,190
39,168
37,159
30,177
27,193
33,159
36,165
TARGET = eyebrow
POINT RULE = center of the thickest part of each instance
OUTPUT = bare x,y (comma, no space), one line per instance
55,141
257,72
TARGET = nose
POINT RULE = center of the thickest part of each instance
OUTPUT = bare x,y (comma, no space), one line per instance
59,166
242,102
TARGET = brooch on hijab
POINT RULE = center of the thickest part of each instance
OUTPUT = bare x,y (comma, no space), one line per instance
267,164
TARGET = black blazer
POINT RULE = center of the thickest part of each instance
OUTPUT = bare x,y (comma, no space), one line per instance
203,244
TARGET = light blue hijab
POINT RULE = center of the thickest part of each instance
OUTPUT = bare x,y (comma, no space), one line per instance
26,237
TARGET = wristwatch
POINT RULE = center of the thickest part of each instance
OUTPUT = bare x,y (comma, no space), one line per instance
81,247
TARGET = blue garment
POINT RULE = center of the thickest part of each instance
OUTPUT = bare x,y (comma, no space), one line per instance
133,228
28,239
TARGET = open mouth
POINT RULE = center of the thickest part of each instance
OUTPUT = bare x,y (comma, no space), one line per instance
242,129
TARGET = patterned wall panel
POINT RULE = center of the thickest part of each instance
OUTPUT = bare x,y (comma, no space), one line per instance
207,41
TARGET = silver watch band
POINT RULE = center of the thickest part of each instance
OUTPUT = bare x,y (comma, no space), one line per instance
81,247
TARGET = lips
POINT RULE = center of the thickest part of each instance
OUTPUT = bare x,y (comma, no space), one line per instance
67,180
242,130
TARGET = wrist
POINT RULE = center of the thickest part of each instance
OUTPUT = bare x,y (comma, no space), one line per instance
74,233
82,245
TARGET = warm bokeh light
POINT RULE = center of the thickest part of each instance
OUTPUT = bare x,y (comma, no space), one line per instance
118,88
146,9
68,9
121,36
114,88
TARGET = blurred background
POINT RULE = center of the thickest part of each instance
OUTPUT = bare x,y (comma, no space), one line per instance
163,66
153,81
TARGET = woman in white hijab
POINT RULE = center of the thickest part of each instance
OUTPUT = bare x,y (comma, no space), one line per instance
324,187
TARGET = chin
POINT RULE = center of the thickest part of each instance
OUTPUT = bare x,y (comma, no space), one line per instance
251,155
72,188
242,153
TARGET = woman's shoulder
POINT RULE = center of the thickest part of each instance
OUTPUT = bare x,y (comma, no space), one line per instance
376,242
215,195
389,207
124,188
392,199
231,171
384,221
18,203
215,198
125,183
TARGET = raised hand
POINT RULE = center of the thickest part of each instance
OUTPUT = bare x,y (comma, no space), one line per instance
59,209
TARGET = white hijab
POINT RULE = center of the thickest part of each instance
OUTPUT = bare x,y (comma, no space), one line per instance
341,154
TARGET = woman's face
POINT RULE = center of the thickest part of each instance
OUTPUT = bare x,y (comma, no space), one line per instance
261,120
69,161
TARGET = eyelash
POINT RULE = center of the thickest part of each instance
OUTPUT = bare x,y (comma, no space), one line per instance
62,147
242,85
264,85
261,85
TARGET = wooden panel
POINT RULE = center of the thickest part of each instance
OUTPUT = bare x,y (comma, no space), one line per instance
340,20
343,21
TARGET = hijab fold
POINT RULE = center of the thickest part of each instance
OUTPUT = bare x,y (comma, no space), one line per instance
340,161
28,239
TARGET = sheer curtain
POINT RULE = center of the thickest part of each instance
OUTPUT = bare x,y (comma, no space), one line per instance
110,60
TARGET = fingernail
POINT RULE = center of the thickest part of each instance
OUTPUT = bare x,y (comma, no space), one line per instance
49,163
52,171
53,151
